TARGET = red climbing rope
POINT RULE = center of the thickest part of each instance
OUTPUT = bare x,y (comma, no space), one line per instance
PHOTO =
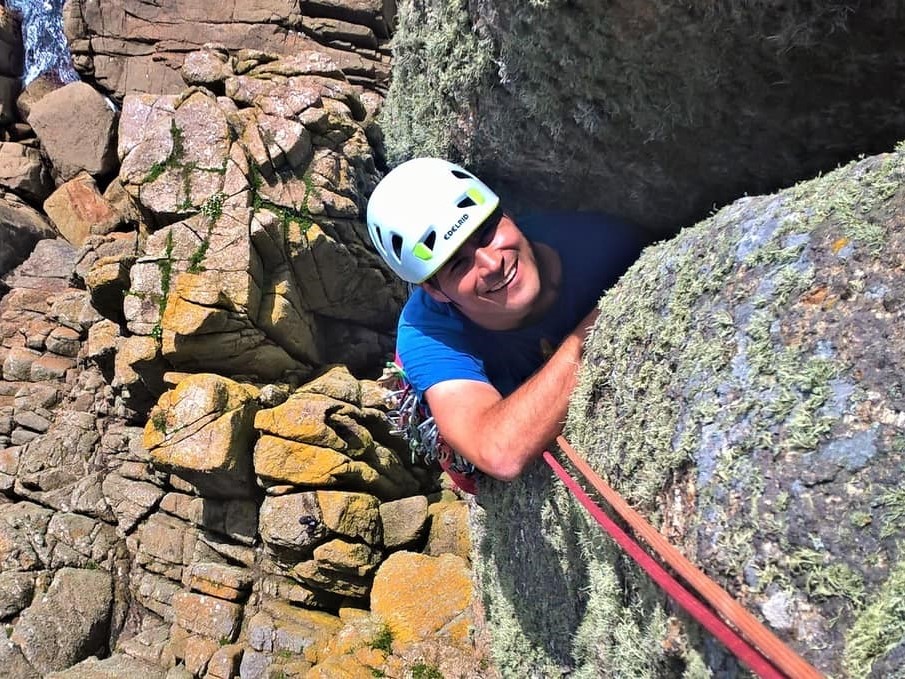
746,652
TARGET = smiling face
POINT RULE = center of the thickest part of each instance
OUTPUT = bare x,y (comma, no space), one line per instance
496,278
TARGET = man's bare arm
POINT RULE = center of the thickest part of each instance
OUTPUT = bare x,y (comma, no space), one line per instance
500,436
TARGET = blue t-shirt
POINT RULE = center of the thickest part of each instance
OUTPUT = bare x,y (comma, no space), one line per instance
435,342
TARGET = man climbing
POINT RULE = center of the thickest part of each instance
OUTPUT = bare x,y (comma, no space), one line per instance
492,335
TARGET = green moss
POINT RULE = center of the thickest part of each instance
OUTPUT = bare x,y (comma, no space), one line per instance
174,161
383,640
439,65
177,151
879,628
861,519
300,215
159,421
893,504
422,670
823,579
165,265
212,208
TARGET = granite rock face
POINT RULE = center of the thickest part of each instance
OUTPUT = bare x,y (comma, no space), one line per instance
743,389
188,485
261,264
127,46
657,112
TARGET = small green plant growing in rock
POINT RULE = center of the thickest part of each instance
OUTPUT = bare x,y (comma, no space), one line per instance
383,640
285,654
165,266
172,160
159,421
424,671
212,208
377,672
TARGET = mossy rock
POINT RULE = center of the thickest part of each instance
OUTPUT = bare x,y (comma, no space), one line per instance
655,111
744,388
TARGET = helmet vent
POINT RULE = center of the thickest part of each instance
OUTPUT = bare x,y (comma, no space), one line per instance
466,202
431,240
379,234
461,175
397,245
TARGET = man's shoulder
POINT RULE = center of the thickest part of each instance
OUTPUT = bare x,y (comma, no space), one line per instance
420,308
423,316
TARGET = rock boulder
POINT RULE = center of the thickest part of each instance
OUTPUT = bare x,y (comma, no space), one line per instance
69,623
88,145
742,388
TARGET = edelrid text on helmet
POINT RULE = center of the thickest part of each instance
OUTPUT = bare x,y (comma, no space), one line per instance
422,212
449,234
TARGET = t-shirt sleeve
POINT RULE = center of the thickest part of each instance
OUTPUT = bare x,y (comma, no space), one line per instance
434,347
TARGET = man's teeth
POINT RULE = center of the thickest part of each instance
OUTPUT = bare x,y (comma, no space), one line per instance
506,281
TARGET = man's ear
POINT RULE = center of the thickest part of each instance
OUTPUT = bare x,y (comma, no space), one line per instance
435,293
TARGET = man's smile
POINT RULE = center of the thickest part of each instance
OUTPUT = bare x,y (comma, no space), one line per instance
507,279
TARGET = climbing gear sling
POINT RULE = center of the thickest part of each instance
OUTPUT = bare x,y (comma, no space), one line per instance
745,636
410,419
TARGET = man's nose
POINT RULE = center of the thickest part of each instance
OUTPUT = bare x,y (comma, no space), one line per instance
487,259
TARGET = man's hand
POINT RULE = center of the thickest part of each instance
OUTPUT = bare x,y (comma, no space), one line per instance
500,436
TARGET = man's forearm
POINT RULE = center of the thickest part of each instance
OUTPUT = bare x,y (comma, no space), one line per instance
515,430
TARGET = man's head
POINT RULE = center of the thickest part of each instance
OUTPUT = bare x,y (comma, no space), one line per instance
437,225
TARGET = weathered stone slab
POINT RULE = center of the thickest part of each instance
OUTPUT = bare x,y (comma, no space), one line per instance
21,227
69,623
207,616
403,520
117,666
77,210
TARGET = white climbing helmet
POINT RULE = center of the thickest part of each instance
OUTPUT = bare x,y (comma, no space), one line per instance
423,211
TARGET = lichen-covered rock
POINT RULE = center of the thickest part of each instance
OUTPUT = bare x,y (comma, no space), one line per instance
423,596
450,530
281,627
117,666
208,616
317,456
593,82
403,520
743,389
202,431
262,266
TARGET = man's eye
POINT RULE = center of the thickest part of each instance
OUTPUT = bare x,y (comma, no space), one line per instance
486,234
